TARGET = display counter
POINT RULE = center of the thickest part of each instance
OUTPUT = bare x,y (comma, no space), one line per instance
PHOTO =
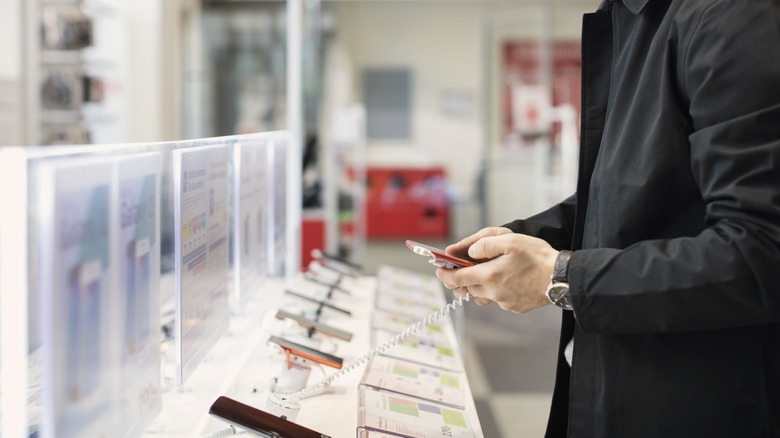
244,366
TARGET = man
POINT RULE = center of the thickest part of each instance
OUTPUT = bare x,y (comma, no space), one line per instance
674,276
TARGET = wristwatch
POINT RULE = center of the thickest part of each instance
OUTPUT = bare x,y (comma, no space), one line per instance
558,290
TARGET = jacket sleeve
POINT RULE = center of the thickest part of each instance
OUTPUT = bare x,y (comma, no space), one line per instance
553,225
729,274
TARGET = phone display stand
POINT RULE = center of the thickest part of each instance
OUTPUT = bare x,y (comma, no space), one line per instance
337,264
324,403
293,376
283,407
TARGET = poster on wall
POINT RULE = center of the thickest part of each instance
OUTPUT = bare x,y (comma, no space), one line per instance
249,219
73,218
528,97
201,252
138,262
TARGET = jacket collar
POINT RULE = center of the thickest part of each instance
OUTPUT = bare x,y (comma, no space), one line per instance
635,6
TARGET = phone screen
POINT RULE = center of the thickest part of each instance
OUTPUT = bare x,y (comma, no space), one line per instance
438,257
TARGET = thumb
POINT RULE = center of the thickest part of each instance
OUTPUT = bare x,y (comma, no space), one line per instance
463,245
488,248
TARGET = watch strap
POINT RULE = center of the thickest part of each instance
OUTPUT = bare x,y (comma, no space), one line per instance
561,270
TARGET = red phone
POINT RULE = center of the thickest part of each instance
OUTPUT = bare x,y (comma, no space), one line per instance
438,257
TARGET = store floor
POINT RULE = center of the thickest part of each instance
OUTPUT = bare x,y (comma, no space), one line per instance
509,358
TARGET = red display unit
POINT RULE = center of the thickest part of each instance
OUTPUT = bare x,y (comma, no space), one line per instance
406,202
312,237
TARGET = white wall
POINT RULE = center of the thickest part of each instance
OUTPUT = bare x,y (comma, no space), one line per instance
440,44
10,39
443,44
11,72
153,78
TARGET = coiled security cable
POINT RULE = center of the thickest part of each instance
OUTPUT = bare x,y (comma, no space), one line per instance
414,328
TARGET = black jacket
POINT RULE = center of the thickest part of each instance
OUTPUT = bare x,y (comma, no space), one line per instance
675,278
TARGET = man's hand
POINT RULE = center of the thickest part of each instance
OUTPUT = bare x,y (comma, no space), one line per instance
515,275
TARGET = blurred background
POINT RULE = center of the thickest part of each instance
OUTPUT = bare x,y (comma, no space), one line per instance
422,120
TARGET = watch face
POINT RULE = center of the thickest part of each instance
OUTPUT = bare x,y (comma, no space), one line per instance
558,294
557,291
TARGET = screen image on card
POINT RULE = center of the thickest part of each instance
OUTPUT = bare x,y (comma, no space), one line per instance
84,315
130,301
137,317
143,315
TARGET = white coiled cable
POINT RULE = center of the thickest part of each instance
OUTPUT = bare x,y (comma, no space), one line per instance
414,328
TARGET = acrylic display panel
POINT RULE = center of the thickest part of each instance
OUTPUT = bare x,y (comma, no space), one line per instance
249,247
277,202
138,262
14,345
74,223
201,233
99,232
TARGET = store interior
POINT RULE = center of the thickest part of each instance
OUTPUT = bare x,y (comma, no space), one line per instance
422,120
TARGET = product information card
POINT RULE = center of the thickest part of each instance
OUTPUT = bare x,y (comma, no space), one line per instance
201,252
421,381
277,161
408,417
138,262
250,236
74,216
439,354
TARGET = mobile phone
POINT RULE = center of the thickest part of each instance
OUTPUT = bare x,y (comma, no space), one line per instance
259,422
316,301
314,325
307,352
336,263
438,257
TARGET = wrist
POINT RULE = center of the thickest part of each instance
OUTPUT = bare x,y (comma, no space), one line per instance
558,290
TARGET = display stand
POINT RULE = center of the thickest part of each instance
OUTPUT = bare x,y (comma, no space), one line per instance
109,228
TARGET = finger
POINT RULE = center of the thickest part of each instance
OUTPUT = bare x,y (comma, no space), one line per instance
447,278
489,247
460,292
482,301
463,245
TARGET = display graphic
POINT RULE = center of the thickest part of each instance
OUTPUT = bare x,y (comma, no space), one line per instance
416,380
74,216
422,351
409,305
139,264
201,252
429,296
396,323
392,277
408,417
249,247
